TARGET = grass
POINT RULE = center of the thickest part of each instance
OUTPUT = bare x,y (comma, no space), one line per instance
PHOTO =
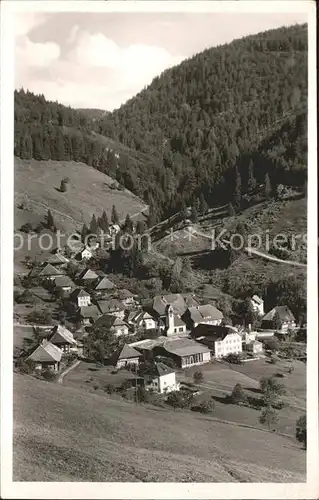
65,434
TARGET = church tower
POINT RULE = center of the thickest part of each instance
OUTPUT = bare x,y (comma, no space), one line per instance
169,320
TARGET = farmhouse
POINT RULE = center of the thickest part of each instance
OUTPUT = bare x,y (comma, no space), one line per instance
127,356
207,314
142,319
160,378
185,352
84,254
112,306
115,325
279,318
222,340
64,283
87,315
103,284
57,259
258,305
48,272
46,356
255,347
81,297
176,300
87,276
126,297
62,338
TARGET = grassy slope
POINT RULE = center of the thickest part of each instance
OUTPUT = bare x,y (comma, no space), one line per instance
63,434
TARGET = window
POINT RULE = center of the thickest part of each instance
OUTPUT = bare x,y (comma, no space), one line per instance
181,328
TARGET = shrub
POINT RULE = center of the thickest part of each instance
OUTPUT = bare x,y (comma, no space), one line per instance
198,377
301,430
238,395
204,407
26,366
269,417
234,358
48,375
26,228
176,400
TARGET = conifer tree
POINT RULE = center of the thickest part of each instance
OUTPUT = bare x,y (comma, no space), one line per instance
114,216
237,193
251,178
93,225
50,220
128,224
267,186
84,232
203,204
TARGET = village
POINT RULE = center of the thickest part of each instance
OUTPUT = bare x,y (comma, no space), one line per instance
170,348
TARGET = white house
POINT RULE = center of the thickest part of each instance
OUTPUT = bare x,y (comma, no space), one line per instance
222,340
254,347
160,378
258,305
185,352
85,254
62,338
143,319
174,323
112,323
81,297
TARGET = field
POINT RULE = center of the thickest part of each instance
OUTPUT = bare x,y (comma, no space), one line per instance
37,186
66,434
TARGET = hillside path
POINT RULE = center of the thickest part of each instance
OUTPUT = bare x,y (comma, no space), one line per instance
74,365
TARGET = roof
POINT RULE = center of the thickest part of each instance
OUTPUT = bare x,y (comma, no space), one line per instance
46,270
176,300
110,305
104,284
204,313
40,292
128,352
108,321
61,334
46,352
125,294
57,259
184,347
214,332
79,292
257,299
178,321
88,274
158,370
63,281
89,312
283,312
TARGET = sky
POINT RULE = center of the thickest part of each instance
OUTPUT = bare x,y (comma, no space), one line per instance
100,60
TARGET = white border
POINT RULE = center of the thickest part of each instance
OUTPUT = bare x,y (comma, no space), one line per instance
150,490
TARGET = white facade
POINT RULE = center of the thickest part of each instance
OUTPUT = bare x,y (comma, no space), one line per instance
231,344
173,326
122,363
86,254
195,359
120,330
258,305
163,384
149,324
209,322
84,301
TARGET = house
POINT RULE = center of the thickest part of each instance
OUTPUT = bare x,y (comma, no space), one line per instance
185,352
62,338
87,315
47,271
160,378
46,356
115,325
222,340
279,318
64,283
179,302
258,305
143,320
174,323
57,259
207,314
128,356
87,276
255,347
112,306
103,284
81,297
127,297
40,293
84,254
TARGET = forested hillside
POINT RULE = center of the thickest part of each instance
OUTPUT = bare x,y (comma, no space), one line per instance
214,125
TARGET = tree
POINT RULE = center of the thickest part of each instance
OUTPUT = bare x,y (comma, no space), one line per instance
128,224
140,227
194,216
231,210
198,377
176,400
271,390
251,178
203,206
238,395
104,222
114,216
84,232
269,417
40,317
301,430
277,321
50,220
93,225
268,189
272,344
237,192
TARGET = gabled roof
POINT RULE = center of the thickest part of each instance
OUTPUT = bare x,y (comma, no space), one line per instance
214,332
104,284
89,312
50,270
46,352
283,312
79,292
176,300
57,259
88,274
158,369
125,294
110,305
128,352
60,334
178,321
108,321
205,313
257,299
184,347
63,281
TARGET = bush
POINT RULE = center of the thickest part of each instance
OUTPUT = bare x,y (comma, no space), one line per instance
204,407
198,377
26,228
176,400
301,430
26,366
48,375
238,395
234,359
269,417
